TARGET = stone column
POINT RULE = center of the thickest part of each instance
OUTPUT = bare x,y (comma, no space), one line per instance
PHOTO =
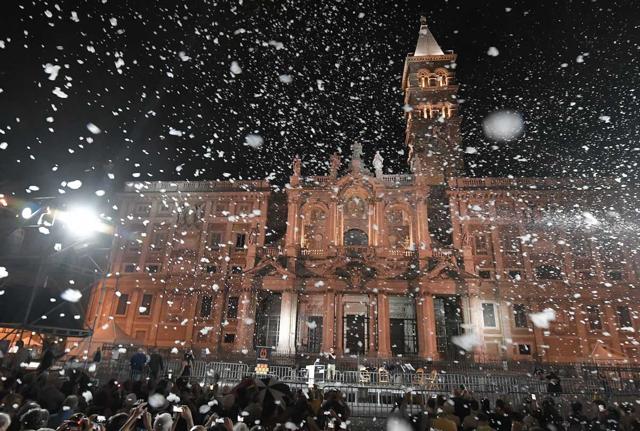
498,255
328,321
505,314
292,220
246,323
475,310
384,341
192,301
582,331
427,343
339,313
611,320
132,312
288,315
156,316
372,324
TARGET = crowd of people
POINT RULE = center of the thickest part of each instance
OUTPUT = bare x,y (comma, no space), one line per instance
462,411
71,400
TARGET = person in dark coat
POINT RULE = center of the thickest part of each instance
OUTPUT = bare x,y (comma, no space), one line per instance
187,363
156,366
137,362
97,357
553,385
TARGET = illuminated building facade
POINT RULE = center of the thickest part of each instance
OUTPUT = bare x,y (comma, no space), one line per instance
426,264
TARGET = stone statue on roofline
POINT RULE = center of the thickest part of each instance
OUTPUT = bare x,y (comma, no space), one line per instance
297,165
378,164
356,157
335,165
356,151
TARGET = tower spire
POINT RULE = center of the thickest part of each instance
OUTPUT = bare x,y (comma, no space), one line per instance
427,44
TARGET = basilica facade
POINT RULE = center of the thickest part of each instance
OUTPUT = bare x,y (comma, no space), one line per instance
425,264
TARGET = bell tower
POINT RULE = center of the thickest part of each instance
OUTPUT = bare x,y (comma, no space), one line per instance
433,125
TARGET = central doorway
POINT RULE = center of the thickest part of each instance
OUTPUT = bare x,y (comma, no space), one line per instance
355,335
355,340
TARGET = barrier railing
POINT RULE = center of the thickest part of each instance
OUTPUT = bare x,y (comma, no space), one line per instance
590,384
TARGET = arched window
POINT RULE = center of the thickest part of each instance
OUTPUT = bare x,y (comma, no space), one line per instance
443,77
423,75
355,215
356,237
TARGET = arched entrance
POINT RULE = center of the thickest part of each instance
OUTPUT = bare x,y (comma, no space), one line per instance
355,237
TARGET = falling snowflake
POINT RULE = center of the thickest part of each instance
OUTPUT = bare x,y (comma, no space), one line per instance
71,295
493,51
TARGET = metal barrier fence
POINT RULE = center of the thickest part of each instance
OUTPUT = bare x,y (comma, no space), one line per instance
374,394
591,384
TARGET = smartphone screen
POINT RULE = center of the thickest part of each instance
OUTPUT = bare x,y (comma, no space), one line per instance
177,409
533,397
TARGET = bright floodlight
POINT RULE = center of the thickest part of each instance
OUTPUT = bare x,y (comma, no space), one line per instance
26,213
81,221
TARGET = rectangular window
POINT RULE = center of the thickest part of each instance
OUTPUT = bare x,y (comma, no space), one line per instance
153,268
524,349
145,304
515,275
510,240
205,306
267,319
158,241
520,316
240,240
593,313
236,270
232,307
121,308
215,240
481,242
489,315
402,321
142,209
616,275
211,269
229,338
624,317
130,267
484,274
220,209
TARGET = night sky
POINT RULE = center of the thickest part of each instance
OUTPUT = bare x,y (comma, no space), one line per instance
155,77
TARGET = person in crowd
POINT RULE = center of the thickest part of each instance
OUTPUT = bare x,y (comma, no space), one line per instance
156,366
34,419
553,383
5,421
483,423
500,420
69,408
187,364
577,420
48,357
97,356
115,354
20,357
137,362
470,421
331,364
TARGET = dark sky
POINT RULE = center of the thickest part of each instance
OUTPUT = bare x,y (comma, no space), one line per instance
145,72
